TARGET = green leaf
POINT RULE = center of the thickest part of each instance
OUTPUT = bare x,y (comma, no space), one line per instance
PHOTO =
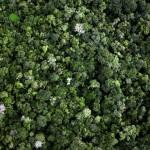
44,95
14,18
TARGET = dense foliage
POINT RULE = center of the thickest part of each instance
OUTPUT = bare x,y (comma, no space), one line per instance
75,74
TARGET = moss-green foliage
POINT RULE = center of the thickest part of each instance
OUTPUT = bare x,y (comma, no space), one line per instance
13,17
75,74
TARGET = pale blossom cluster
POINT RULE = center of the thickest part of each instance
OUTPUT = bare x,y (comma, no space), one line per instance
69,81
38,144
51,59
25,119
86,112
2,108
79,28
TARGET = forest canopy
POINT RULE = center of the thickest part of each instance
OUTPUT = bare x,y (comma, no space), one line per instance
75,74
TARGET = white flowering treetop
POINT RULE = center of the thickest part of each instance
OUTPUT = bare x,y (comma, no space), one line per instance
79,28
69,81
38,144
2,108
